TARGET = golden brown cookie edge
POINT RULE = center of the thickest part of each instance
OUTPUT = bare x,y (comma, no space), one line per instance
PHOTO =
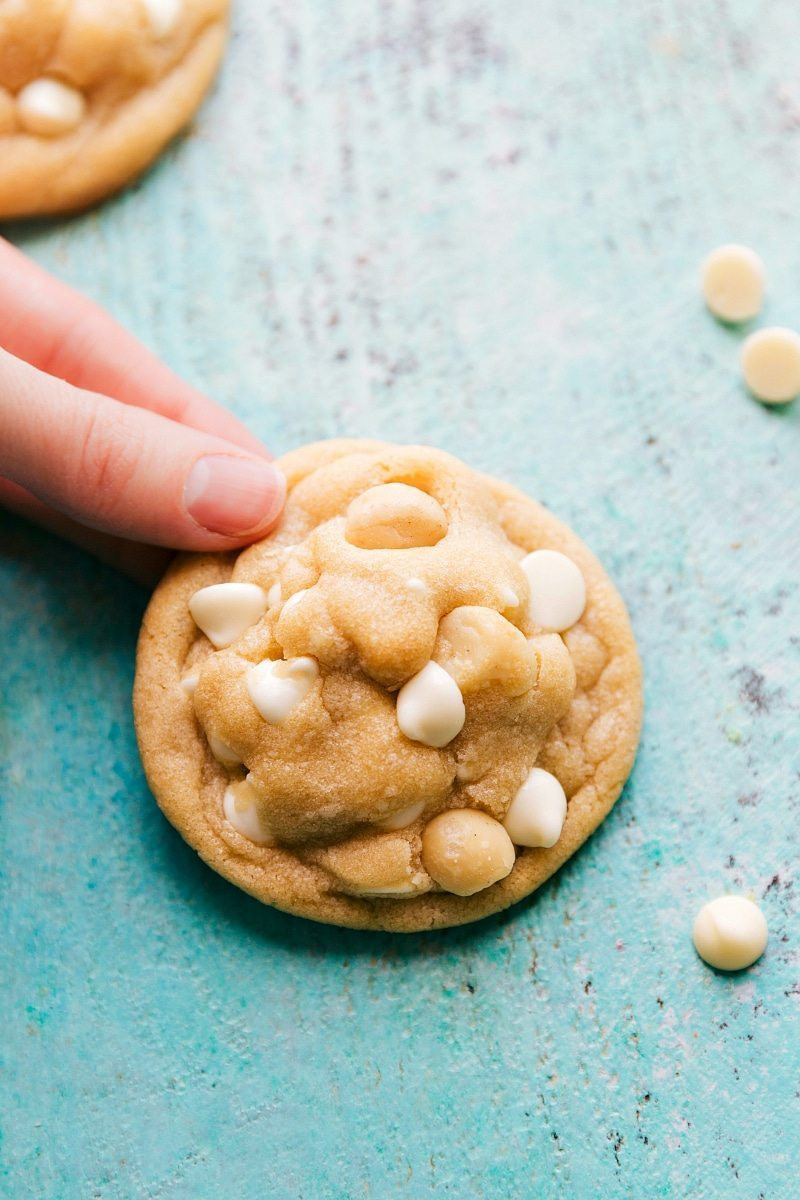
72,173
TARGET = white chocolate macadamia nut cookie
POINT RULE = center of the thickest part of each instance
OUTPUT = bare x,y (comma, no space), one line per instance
92,90
404,709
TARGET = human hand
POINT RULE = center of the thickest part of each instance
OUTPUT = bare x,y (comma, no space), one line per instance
101,443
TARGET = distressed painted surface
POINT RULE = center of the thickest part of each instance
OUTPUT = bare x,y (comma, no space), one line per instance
474,224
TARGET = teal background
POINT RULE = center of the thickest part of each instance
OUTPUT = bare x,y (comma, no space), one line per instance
475,224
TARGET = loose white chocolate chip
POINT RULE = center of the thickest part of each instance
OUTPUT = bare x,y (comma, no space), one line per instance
394,516
536,815
50,108
239,807
508,597
222,751
733,282
224,610
274,595
403,818
730,933
189,682
430,707
163,15
277,687
417,585
771,364
465,851
558,590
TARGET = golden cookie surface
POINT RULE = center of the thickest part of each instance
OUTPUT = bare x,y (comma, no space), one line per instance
91,91
378,662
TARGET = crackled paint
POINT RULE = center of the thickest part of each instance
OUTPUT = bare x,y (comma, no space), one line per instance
477,225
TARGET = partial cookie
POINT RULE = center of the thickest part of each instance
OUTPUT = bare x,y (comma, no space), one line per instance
404,709
91,92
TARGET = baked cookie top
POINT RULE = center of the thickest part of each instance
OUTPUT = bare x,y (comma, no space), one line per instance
402,710
91,91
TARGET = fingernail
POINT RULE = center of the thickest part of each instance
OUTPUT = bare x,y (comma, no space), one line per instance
234,496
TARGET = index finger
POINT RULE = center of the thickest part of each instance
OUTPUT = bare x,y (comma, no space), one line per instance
57,329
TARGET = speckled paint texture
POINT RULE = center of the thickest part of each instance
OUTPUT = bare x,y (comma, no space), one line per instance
476,225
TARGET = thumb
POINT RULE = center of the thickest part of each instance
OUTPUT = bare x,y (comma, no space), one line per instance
128,471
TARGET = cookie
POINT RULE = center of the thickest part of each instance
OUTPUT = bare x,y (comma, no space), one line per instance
92,91
402,710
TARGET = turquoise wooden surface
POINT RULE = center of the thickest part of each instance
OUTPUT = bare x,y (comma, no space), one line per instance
478,225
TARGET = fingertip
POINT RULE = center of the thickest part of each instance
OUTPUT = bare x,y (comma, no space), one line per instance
233,496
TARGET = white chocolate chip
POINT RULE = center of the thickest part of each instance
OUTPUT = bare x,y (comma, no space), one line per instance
394,516
189,682
222,751
558,590
730,933
771,364
430,707
224,610
241,811
508,597
50,108
536,815
733,282
467,772
277,687
274,595
403,818
295,599
406,888
417,585
163,15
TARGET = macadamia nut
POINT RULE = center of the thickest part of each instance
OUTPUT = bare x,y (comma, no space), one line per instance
394,516
479,647
465,851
